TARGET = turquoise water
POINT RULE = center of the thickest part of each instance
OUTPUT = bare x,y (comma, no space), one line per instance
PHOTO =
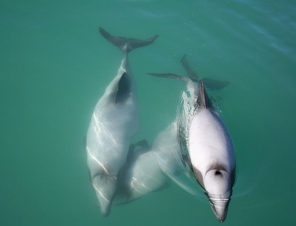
54,66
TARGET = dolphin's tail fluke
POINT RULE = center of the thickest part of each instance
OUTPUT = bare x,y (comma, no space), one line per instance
126,44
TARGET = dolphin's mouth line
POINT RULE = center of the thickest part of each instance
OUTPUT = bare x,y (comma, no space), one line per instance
219,203
221,197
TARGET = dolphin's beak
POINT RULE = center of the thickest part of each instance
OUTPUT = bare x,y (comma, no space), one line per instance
219,204
105,188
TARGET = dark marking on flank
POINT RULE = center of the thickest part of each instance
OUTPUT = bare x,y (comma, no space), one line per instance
123,89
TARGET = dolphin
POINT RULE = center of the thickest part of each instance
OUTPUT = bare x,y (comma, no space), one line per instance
212,154
114,121
141,175
149,169
205,140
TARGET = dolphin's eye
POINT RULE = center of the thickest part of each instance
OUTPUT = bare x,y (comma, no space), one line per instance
218,173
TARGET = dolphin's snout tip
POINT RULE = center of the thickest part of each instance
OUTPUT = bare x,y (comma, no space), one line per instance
105,214
221,219
220,213
219,204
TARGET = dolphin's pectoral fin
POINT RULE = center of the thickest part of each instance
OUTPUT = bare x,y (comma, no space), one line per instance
143,144
190,73
215,84
126,44
131,156
123,89
203,100
170,75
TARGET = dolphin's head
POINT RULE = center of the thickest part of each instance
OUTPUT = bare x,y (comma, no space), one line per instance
105,188
218,186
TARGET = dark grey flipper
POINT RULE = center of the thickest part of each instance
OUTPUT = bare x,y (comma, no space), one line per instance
203,100
126,44
170,75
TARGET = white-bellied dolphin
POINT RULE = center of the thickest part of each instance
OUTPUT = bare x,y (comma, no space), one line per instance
114,121
205,139
211,154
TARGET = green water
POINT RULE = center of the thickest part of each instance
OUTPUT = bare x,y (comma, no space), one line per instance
54,66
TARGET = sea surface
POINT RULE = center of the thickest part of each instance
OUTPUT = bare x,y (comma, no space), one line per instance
54,66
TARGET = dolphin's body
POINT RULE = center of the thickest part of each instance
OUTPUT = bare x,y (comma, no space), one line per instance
114,121
204,138
147,169
211,153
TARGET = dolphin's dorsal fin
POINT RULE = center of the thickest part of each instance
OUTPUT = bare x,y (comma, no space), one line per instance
190,73
170,75
123,88
126,44
203,100
143,144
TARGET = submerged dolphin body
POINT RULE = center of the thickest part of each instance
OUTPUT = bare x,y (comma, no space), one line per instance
141,175
204,138
148,169
114,121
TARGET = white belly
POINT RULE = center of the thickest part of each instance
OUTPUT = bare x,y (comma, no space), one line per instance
209,142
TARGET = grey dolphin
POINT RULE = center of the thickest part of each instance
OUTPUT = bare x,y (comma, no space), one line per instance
208,144
148,169
141,175
114,121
